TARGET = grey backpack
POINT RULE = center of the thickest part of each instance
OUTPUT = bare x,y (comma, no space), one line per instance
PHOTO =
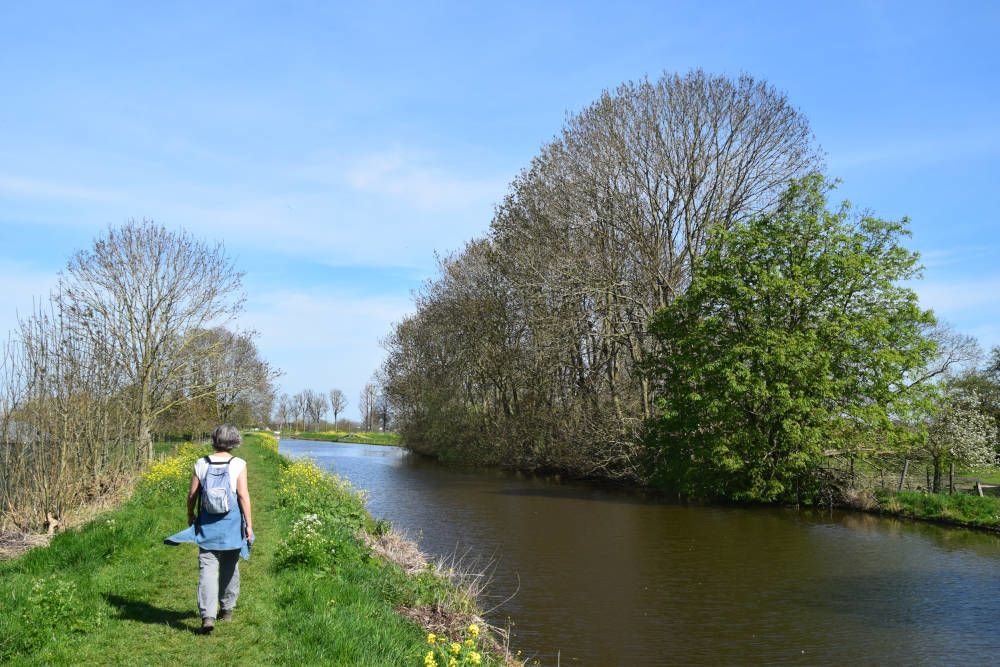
217,495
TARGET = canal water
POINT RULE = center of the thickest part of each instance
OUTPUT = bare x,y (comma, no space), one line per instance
590,576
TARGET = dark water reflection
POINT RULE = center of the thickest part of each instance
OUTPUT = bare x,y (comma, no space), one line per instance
605,577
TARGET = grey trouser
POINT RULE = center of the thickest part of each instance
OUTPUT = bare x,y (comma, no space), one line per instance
217,569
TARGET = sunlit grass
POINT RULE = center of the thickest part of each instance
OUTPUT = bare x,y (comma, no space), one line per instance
359,437
959,508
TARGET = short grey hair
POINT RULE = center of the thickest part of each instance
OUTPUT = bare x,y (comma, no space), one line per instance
225,438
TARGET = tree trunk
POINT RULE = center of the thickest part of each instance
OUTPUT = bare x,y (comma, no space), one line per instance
144,452
938,473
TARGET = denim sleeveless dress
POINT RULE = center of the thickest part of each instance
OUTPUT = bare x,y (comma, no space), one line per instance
216,532
220,532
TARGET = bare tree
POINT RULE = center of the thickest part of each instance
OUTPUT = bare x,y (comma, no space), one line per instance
241,377
299,410
150,295
284,411
131,338
337,404
366,406
529,347
67,436
315,407
382,408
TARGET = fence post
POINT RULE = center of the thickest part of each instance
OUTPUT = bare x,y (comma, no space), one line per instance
902,477
951,479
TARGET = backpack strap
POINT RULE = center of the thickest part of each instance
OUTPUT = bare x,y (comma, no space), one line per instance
219,463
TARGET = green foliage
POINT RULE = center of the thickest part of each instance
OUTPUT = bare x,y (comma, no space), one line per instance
330,513
304,489
959,508
307,544
49,609
794,336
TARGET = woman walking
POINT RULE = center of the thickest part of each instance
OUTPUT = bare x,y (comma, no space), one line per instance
223,525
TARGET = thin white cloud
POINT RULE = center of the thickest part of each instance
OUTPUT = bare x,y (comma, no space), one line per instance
39,189
952,298
409,178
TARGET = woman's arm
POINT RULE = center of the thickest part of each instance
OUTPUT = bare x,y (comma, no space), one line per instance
193,496
243,495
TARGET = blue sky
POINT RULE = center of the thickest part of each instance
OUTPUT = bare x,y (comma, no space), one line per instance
335,148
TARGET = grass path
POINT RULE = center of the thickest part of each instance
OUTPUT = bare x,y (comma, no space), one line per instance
149,589
160,610
112,593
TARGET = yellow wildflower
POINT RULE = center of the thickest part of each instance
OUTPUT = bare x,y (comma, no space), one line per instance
429,660
475,658
474,630
453,662
456,647
431,638
470,643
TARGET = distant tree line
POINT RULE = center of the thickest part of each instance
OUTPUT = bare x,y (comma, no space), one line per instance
134,341
308,409
665,296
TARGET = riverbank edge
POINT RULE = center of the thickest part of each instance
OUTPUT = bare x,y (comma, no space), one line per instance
52,596
935,508
908,505
348,438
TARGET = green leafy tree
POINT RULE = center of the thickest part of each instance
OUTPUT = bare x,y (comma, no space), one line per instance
795,336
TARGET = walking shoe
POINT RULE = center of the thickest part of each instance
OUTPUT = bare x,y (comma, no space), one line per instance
226,615
207,625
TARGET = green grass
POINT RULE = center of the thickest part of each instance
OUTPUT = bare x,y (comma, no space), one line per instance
360,437
960,509
112,593
985,474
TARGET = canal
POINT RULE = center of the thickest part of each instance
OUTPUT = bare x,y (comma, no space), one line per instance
591,576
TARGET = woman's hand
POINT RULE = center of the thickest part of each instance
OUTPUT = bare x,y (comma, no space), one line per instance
249,533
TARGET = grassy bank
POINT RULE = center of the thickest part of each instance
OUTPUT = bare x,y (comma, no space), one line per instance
958,509
359,437
315,591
